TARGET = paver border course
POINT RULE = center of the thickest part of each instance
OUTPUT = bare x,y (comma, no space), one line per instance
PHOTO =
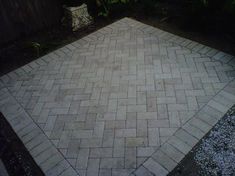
166,157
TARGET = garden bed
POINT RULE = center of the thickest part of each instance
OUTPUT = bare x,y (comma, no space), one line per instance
21,52
213,30
14,155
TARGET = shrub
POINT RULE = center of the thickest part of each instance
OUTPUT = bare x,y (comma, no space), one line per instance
106,7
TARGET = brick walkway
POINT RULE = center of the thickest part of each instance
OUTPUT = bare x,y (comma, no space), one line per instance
127,99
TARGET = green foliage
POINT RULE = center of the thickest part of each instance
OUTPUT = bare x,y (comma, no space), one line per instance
229,6
106,6
194,9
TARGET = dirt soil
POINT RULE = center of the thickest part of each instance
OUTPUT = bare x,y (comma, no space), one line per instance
21,52
14,155
18,53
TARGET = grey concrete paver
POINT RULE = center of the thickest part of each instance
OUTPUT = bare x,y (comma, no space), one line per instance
117,100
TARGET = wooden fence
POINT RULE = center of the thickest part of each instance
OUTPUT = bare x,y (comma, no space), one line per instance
19,18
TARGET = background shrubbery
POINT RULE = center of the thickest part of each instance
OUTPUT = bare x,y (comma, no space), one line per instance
151,7
194,14
210,15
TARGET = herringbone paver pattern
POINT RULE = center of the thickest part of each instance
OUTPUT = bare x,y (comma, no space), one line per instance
109,100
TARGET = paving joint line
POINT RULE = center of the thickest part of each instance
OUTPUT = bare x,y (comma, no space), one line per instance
183,125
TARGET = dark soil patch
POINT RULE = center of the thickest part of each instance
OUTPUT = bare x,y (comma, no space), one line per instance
21,52
174,16
214,155
169,15
16,158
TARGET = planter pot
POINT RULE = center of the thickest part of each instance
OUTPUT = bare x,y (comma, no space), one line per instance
77,17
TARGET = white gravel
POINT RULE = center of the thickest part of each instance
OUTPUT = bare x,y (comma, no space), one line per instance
216,154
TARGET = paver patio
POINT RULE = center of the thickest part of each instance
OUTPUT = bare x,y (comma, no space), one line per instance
127,99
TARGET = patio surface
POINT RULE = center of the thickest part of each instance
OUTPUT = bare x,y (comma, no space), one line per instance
127,99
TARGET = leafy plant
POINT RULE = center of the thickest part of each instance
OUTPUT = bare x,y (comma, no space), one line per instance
37,47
